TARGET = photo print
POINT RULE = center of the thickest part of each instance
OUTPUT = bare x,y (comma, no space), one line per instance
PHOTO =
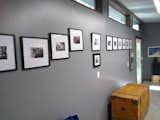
124,44
109,43
115,43
60,46
96,41
35,52
3,52
76,39
120,44
8,61
96,60
127,44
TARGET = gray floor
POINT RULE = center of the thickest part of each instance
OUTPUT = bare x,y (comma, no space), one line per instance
154,109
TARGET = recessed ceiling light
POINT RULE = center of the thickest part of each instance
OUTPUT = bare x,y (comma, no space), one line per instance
157,4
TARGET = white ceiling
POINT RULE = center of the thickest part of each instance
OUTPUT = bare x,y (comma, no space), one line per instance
143,9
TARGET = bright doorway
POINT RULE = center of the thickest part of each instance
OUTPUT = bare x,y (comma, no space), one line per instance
139,60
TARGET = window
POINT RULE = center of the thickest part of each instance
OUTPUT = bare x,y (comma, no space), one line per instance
88,3
135,24
116,15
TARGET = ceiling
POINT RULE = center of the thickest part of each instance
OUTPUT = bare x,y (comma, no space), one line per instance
143,9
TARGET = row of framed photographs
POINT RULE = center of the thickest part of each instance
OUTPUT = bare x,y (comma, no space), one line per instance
36,51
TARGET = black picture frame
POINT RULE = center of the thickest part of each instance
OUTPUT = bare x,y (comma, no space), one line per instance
109,39
23,54
92,41
54,47
14,54
120,43
96,55
80,47
124,44
115,43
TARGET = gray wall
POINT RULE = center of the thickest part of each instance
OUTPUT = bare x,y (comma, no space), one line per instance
151,37
67,86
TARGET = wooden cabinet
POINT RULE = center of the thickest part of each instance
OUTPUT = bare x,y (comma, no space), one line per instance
130,102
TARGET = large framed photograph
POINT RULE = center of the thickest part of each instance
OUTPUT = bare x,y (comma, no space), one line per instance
8,61
154,52
59,46
124,44
109,43
96,41
120,44
76,39
115,43
96,60
132,56
35,52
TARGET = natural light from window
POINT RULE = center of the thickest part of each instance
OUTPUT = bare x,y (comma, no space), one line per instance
116,15
135,24
88,3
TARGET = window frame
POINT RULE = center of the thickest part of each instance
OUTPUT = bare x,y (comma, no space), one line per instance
137,20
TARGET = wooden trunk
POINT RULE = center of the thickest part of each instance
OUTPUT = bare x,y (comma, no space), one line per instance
130,102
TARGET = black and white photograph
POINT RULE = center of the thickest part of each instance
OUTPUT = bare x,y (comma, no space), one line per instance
127,44
35,52
124,44
96,60
120,44
96,41
3,52
109,43
115,43
8,61
60,46
76,39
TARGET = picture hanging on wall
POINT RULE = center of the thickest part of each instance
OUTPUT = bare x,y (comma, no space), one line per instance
59,46
109,43
96,60
115,43
120,44
35,52
154,52
127,44
124,44
96,41
132,55
76,39
8,61
130,44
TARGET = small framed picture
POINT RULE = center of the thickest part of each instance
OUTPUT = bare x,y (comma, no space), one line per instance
127,44
96,41
130,44
76,39
35,52
59,46
109,43
96,60
8,61
120,44
124,44
115,43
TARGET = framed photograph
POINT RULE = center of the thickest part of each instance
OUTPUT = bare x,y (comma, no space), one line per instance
109,43
120,44
132,56
115,43
76,39
59,46
96,60
127,44
35,52
96,41
154,52
124,44
8,61
130,44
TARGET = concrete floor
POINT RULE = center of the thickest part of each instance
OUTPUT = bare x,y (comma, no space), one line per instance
154,109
